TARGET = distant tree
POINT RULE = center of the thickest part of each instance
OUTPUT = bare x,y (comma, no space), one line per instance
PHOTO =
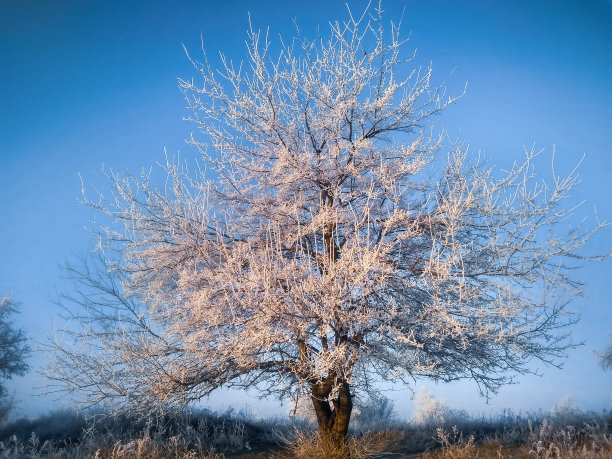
605,359
337,241
428,410
13,352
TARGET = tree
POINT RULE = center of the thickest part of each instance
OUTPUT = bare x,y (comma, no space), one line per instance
605,359
13,352
339,242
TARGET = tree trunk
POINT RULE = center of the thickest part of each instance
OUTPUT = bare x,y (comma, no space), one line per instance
333,418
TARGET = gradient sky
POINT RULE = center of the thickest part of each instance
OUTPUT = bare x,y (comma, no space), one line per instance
86,83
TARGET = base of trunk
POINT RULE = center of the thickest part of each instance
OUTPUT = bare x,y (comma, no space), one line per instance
333,418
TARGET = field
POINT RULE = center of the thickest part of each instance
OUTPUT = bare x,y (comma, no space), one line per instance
376,433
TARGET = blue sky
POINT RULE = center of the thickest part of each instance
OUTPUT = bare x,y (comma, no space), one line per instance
86,83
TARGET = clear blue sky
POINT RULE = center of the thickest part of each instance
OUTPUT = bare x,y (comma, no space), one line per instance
86,83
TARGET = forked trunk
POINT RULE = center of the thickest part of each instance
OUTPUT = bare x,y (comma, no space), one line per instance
333,417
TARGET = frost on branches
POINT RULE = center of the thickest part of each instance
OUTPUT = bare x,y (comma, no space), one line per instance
338,244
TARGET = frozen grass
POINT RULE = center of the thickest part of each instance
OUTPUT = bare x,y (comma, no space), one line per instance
376,433
571,435
196,435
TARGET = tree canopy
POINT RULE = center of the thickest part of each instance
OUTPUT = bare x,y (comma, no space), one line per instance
329,237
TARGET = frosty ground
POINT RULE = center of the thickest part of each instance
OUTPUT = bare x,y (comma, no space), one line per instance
433,432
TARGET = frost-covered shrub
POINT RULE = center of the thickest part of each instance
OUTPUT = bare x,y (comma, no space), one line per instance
565,410
432,412
429,410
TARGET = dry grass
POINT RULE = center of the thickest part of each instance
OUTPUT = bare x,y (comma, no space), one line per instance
547,440
140,448
368,445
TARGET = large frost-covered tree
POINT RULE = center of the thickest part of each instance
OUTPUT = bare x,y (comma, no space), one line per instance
330,241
